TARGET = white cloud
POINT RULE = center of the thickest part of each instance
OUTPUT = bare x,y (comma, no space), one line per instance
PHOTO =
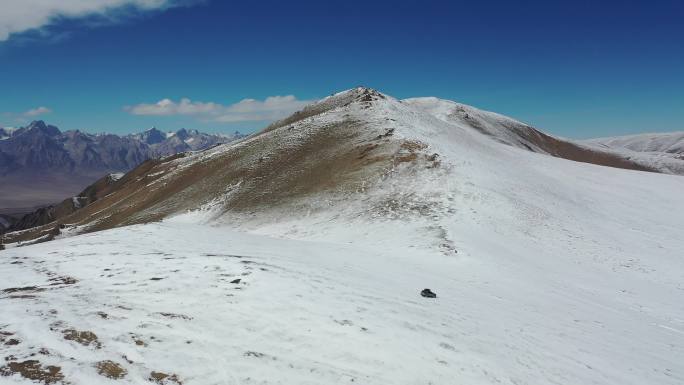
271,108
37,111
169,107
18,16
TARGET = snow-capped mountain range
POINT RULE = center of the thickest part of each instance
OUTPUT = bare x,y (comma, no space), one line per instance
40,164
299,255
43,146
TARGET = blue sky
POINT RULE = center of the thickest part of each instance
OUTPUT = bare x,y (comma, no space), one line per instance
573,68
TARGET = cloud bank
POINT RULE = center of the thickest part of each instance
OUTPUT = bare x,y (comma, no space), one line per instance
17,16
271,108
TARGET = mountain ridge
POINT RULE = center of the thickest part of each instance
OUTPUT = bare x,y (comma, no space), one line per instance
327,152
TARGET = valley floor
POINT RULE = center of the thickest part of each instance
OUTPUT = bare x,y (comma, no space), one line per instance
212,306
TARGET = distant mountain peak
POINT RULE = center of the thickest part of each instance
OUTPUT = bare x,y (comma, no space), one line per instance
42,127
153,136
182,134
37,124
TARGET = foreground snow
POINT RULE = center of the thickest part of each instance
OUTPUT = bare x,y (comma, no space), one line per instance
161,297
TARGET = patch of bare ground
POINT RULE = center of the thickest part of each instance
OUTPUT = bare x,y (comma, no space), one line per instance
85,338
111,369
34,371
31,289
4,335
412,151
165,379
63,281
26,292
174,315
137,339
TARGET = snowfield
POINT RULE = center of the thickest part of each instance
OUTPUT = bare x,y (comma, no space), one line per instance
671,142
546,271
664,152
165,298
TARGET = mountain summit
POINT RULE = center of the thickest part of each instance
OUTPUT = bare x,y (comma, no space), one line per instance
151,136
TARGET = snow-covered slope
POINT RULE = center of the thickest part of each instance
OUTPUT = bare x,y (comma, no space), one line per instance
498,127
664,152
671,142
545,270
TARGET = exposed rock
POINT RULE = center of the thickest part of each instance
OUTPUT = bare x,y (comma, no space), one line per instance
164,379
34,371
111,369
85,338
427,293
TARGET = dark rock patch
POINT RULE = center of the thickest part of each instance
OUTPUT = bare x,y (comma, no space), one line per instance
164,379
110,369
85,338
427,293
63,281
34,371
4,335
174,315
20,289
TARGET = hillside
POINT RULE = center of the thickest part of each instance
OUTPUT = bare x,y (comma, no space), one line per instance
298,255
